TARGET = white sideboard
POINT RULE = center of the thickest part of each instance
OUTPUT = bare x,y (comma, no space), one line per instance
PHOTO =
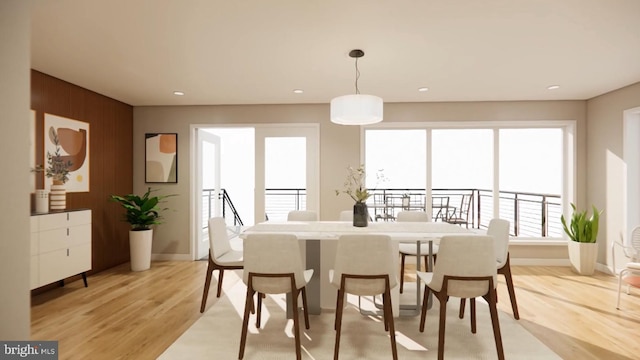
60,246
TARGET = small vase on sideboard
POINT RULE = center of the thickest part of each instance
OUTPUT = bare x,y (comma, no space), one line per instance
58,196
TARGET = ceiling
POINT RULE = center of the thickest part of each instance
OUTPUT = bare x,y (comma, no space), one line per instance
258,52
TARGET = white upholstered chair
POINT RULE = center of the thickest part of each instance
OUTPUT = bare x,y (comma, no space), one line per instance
499,230
364,266
302,215
346,215
630,273
466,268
407,249
221,256
273,265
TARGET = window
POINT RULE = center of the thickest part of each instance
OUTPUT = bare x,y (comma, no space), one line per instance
519,171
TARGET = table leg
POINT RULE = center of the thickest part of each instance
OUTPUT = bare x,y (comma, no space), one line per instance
312,258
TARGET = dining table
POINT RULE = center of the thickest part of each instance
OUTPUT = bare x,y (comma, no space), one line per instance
318,248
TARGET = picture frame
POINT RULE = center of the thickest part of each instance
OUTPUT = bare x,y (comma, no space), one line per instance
161,157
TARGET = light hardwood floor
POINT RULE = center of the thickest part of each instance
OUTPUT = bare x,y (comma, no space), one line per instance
126,315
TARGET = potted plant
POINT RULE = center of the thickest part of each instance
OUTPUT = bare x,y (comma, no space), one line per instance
354,186
142,212
582,232
58,170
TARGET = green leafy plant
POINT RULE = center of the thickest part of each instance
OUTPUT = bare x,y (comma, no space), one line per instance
57,168
582,228
354,184
141,211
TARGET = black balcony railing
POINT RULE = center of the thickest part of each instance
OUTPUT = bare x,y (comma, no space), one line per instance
530,214
229,211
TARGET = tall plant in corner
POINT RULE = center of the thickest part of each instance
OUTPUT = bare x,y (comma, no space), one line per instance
142,212
583,229
583,232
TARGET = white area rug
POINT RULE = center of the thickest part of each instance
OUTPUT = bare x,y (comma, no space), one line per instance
216,335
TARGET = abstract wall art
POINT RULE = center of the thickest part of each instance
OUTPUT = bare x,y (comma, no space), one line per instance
161,158
73,139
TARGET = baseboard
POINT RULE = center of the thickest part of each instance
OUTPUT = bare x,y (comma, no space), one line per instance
171,257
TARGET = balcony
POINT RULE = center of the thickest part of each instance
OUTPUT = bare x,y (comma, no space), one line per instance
531,215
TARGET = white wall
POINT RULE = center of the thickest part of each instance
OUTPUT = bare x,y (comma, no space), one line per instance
339,146
606,169
14,184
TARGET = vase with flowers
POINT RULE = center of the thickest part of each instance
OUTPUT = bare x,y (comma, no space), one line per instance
355,186
58,170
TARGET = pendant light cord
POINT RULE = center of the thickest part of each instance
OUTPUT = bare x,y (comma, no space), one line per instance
357,77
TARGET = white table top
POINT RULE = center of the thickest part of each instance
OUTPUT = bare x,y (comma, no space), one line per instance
331,230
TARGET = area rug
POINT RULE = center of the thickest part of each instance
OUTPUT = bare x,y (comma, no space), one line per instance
216,335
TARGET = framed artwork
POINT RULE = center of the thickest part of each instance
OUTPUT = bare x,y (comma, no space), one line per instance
161,158
73,144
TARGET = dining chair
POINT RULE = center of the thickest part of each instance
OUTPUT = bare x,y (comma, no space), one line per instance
407,249
273,265
346,215
302,215
364,266
499,230
221,256
460,216
466,268
630,274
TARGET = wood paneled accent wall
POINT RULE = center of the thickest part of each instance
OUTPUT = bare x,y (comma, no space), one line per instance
111,160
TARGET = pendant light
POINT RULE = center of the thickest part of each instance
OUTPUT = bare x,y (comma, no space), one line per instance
356,109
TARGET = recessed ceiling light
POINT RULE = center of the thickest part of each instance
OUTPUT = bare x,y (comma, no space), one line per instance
553,87
298,91
178,93
423,89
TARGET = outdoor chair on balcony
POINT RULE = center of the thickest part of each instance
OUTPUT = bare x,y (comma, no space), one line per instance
630,274
460,216
412,249
440,205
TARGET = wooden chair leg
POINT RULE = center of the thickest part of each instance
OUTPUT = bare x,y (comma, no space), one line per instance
506,271
258,310
386,303
338,323
335,320
425,301
296,320
472,302
402,258
221,270
207,283
491,299
462,303
385,316
245,321
305,308
443,322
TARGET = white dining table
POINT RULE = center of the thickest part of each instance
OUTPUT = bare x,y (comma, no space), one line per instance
319,248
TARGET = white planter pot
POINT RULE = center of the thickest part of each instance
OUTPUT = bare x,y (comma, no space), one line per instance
583,257
140,249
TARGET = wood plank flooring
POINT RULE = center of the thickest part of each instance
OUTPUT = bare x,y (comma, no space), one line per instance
126,315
